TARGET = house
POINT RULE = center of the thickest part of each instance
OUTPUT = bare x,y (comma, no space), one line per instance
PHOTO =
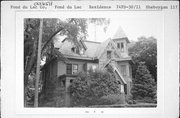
83,55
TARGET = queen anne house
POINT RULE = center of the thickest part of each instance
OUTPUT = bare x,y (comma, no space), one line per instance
85,55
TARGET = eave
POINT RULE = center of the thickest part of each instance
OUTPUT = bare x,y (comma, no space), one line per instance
81,58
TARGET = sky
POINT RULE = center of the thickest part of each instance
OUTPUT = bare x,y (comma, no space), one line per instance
134,25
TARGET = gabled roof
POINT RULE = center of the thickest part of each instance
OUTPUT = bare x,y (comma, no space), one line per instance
101,48
91,48
89,54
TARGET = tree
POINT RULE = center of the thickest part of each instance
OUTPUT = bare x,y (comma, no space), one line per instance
144,50
73,28
87,89
99,22
31,33
144,85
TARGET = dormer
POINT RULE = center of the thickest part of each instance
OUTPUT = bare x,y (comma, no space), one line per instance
121,42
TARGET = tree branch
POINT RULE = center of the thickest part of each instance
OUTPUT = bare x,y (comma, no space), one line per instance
50,39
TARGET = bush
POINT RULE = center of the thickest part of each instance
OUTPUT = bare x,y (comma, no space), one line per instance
89,87
112,99
147,100
130,100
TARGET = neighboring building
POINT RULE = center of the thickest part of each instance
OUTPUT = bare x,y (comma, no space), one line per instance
84,55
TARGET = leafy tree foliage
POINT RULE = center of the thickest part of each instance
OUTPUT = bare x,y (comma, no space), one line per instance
88,88
144,50
73,28
144,85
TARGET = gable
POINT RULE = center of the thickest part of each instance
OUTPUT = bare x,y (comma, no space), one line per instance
66,47
109,46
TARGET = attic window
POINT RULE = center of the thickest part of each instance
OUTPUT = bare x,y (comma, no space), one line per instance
73,49
109,54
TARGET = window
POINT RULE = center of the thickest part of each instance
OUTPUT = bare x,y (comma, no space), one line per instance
71,81
123,70
125,88
93,67
71,68
81,51
118,45
75,68
122,88
109,54
122,47
73,49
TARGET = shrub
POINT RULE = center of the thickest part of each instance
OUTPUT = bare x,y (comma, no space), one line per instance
147,100
112,99
89,87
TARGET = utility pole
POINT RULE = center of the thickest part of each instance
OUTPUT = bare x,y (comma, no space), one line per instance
38,64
